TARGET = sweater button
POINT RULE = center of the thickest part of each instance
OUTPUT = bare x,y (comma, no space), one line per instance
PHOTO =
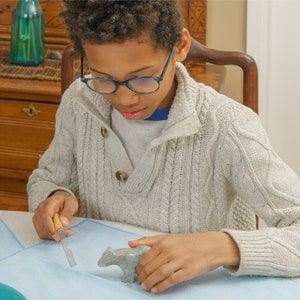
121,176
104,132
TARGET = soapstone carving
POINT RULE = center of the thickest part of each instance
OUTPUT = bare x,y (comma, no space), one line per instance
125,258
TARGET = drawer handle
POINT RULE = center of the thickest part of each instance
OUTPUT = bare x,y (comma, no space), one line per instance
31,111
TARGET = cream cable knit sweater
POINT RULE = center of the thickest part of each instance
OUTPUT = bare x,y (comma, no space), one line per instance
211,151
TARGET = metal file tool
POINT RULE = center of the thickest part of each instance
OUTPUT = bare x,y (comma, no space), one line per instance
60,230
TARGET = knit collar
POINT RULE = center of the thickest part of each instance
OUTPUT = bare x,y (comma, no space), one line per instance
183,119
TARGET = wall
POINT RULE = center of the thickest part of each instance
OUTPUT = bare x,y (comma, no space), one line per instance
273,40
226,30
271,30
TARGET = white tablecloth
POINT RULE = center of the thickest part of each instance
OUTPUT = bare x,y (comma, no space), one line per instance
21,225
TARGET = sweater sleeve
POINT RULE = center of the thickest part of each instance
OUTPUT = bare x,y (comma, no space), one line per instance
57,166
272,189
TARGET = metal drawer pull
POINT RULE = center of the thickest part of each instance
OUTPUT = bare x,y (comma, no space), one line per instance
31,111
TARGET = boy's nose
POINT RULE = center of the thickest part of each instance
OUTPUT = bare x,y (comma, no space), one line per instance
126,97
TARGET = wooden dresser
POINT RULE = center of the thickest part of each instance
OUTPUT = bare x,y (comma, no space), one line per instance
27,110
28,106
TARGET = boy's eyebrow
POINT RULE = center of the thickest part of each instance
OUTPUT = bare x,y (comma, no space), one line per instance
132,72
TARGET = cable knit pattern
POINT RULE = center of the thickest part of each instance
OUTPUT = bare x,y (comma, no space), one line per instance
212,153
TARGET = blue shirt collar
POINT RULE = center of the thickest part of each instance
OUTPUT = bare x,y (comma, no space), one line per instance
159,115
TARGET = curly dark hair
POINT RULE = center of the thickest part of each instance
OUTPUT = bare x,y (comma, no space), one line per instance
101,21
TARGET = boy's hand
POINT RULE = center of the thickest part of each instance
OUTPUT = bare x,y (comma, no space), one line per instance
60,202
178,257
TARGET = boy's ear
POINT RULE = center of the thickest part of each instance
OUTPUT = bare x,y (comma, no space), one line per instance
182,49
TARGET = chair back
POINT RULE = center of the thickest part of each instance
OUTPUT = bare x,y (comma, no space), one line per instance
203,54
197,53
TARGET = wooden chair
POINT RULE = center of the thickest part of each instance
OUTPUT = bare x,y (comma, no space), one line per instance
198,54
203,54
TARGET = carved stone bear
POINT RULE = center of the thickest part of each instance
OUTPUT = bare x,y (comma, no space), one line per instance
125,258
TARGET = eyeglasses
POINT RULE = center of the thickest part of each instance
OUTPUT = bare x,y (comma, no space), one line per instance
140,85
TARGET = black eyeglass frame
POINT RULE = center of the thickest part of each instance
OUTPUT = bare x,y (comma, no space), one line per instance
126,82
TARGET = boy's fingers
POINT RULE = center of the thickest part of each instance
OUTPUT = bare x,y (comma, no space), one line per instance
149,241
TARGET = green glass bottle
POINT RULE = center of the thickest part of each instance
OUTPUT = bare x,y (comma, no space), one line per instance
27,33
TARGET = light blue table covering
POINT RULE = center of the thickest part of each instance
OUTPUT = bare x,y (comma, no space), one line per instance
8,242
42,272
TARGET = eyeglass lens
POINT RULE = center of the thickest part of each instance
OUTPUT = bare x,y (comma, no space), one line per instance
139,84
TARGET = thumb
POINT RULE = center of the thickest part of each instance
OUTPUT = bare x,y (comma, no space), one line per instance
65,220
66,216
69,209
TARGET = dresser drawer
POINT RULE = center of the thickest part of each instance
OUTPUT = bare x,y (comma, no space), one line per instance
30,112
25,125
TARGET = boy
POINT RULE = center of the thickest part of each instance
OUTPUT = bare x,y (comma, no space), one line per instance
140,142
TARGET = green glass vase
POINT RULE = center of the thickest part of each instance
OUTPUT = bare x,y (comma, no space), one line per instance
27,33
